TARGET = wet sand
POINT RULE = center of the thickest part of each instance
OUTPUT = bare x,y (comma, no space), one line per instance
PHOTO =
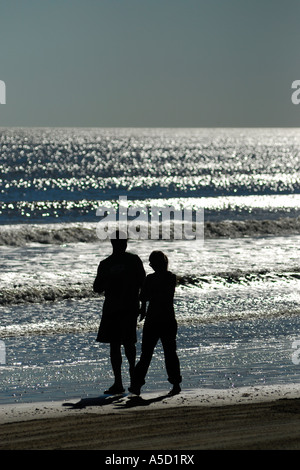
266,418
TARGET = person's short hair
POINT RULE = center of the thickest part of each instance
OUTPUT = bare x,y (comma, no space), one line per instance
158,259
118,235
118,240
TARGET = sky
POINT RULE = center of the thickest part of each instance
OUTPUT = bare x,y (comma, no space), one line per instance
149,63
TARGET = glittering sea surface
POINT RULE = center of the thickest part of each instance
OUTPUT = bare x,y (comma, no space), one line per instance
237,299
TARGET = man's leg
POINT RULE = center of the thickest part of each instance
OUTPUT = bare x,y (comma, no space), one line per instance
130,353
116,363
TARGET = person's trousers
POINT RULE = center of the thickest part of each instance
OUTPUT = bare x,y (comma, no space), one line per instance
152,333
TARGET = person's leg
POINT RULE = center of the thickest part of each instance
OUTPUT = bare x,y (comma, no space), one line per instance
168,340
130,353
116,363
149,342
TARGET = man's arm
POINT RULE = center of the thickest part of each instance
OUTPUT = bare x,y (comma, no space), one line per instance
141,272
101,280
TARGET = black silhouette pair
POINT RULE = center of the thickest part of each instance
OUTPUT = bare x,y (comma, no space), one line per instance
122,279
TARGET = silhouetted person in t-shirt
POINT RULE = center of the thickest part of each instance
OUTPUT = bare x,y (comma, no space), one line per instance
160,323
120,277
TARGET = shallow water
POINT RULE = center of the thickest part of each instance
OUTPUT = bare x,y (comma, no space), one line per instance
236,323
216,355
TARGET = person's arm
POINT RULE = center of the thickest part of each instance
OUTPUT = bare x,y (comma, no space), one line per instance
143,299
143,310
141,272
101,280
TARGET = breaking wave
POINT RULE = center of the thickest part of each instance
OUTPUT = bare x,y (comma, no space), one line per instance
27,294
46,327
18,235
38,293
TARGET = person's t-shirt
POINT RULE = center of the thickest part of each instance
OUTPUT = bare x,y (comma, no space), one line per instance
159,290
120,277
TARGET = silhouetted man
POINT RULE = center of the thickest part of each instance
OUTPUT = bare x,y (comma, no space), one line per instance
120,277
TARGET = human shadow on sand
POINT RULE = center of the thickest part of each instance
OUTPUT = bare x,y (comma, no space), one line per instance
102,400
134,400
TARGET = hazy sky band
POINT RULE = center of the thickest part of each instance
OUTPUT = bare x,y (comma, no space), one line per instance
156,63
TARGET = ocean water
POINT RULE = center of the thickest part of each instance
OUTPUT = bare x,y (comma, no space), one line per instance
237,299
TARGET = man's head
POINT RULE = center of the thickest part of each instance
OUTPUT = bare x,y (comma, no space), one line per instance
119,241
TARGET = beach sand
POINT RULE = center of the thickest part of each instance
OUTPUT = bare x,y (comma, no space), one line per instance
260,417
